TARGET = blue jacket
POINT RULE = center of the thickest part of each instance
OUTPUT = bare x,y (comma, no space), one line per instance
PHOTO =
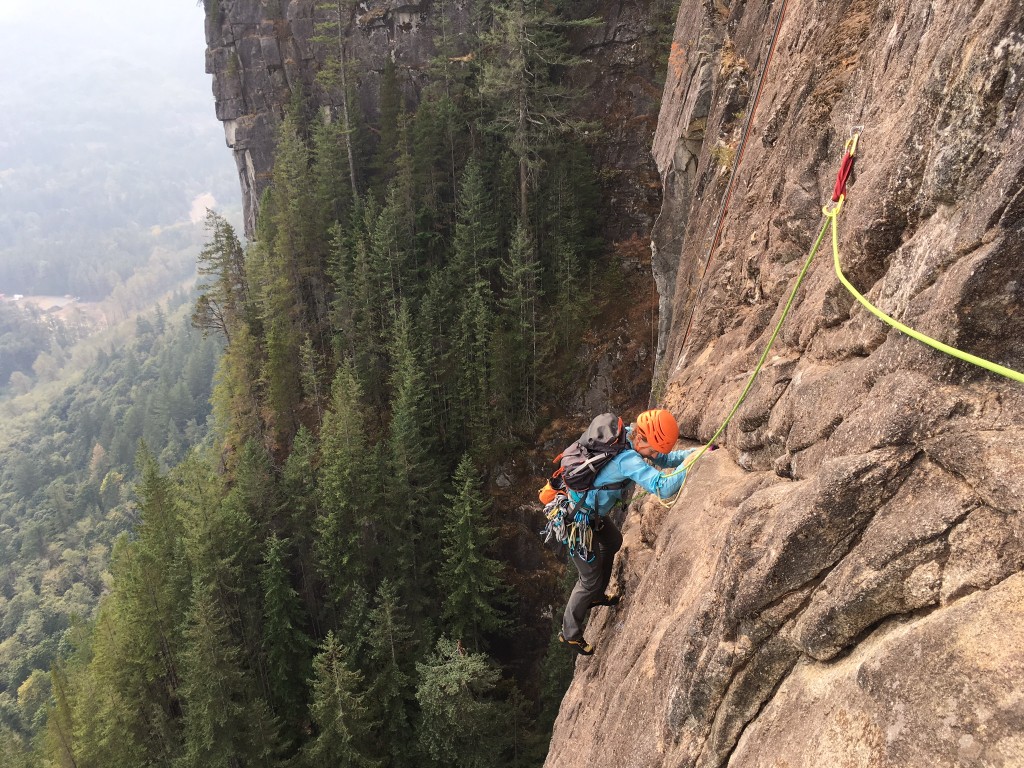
630,465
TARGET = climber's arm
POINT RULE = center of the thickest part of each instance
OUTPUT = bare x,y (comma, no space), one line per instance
652,480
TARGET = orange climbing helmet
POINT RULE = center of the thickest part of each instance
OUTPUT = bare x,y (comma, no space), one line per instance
658,428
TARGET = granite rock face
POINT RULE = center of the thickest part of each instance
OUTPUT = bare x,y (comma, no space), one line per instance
261,52
842,586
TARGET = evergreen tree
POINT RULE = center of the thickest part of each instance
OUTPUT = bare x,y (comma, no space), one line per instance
312,367
462,724
15,751
434,165
332,191
130,694
473,329
519,342
254,490
476,238
238,392
391,648
413,483
224,724
335,76
343,738
221,545
470,579
526,746
288,263
279,377
116,701
223,301
285,645
449,108
297,245
389,135
525,46
108,712
477,330
299,514
364,314
570,202
342,275
59,738
457,322
433,338
347,540
352,624
393,245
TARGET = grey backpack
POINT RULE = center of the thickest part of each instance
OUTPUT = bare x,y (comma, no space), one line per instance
580,463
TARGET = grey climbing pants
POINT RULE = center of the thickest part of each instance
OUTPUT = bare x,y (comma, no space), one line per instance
593,580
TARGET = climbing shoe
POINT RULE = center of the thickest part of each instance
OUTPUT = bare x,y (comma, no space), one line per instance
605,600
581,646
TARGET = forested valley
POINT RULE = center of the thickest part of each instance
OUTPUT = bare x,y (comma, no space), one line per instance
66,496
322,579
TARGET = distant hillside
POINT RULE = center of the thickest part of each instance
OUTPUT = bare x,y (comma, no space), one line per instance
45,339
65,490
92,157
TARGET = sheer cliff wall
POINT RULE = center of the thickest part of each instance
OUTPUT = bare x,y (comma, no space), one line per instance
261,53
842,585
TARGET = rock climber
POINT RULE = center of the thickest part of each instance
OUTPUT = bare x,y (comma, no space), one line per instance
650,439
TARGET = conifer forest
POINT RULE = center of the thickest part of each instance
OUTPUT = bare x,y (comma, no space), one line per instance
287,554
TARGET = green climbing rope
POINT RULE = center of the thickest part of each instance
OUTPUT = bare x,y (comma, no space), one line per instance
831,215
693,458
960,355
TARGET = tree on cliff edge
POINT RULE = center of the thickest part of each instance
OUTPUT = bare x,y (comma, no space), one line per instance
334,76
524,49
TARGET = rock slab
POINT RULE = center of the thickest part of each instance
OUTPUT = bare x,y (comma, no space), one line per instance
842,585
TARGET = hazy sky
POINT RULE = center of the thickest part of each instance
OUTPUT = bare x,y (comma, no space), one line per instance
109,85
52,33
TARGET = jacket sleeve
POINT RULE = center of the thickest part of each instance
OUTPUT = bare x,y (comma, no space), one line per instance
673,459
652,480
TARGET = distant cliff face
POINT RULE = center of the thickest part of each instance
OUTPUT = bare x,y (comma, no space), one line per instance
841,586
262,52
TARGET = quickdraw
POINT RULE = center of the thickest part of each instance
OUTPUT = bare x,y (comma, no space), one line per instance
846,165
839,191
570,528
581,538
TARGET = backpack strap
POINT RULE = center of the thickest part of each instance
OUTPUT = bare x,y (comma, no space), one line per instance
611,486
579,503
